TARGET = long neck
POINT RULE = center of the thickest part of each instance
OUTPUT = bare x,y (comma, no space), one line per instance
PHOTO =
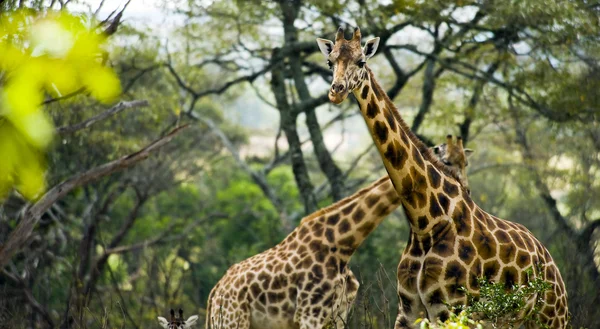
346,224
427,189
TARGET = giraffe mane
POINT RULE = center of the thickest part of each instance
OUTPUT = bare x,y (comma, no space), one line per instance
343,202
422,147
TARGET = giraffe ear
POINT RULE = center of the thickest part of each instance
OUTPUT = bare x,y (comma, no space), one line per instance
191,320
371,47
163,322
469,152
326,46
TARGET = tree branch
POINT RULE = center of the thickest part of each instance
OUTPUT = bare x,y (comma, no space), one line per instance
21,233
110,112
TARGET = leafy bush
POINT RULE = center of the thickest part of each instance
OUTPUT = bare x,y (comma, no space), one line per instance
495,304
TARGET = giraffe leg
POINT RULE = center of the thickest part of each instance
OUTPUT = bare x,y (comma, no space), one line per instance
224,316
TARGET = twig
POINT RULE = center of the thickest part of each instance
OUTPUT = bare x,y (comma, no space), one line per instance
112,111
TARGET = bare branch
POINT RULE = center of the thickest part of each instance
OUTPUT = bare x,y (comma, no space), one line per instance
110,112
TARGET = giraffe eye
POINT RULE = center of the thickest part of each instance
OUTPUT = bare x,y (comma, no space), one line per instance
446,162
330,64
361,64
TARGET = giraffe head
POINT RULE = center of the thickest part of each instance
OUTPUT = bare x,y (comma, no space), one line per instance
348,61
177,322
455,156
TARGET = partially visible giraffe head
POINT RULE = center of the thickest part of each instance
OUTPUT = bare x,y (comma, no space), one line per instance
347,60
455,156
177,322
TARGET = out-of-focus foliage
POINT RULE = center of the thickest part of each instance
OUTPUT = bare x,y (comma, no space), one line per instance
52,54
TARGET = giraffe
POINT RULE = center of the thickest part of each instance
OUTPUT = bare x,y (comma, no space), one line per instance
177,322
453,242
304,281
455,156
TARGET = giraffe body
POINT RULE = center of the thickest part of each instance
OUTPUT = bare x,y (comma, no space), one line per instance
304,281
453,241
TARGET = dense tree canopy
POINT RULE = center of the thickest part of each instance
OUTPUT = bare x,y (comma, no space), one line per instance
129,239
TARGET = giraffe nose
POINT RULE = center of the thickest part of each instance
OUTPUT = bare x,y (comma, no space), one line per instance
337,88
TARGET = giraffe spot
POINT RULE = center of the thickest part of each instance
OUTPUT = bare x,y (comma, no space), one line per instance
550,273
418,157
347,251
249,277
255,289
381,210
372,109
321,255
389,116
292,293
348,209
528,244
347,242
431,272
405,302
422,222
242,294
516,237
302,250
380,131
318,230
265,279
510,276
434,207
407,274
435,297
317,271
377,93
333,219
293,245
344,226
331,268
395,154
365,92
502,236
342,266
549,311
462,219
507,253
372,200
450,188
288,268
455,290
443,315
325,287
455,272
303,232
444,202
414,249
485,244
444,247
407,187
306,262
273,310
490,269
366,228
275,297
316,311
466,251
279,282
402,322
502,225
358,215
474,274
329,235
426,243
435,179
